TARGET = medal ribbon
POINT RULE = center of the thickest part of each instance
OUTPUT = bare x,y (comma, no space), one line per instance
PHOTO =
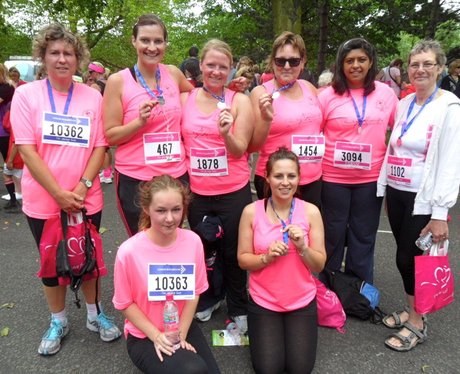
51,97
217,97
154,95
359,116
284,88
283,223
406,125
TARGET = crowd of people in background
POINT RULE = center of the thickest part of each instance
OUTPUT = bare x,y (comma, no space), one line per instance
191,141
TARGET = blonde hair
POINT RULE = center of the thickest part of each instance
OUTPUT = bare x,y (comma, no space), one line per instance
454,65
219,46
161,183
4,74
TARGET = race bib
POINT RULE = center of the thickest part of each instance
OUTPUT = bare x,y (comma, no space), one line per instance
352,155
178,279
308,148
162,147
399,170
208,162
63,129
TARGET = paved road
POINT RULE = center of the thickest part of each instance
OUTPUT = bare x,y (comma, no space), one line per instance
359,350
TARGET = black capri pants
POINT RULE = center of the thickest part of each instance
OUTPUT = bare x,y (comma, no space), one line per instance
406,229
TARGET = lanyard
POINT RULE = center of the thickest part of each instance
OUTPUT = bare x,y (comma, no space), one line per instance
276,93
283,224
158,95
51,97
359,116
406,125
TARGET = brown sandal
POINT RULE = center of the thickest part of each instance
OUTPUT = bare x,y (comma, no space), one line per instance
396,318
409,342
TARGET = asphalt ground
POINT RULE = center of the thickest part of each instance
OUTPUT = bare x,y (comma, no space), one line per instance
359,350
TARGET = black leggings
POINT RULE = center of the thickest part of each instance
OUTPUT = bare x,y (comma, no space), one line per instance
406,229
310,192
282,341
143,355
36,226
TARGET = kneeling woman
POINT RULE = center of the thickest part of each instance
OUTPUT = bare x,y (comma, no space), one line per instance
160,241
281,241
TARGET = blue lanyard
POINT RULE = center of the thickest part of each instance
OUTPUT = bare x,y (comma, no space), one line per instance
217,97
283,88
153,95
283,224
361,116
406,125
51,97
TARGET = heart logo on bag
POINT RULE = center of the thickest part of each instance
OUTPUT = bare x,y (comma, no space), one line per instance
441,275
76,246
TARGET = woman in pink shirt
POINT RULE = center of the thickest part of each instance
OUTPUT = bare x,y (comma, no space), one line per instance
288,114
217,125
281,241
142,113
357,113
141,285
61,166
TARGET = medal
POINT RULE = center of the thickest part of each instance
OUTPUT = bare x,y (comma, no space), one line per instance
359,129
276,93
359,116
221,105
161,100
399,142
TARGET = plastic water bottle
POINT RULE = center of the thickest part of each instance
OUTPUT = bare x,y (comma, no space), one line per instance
425,242
171,321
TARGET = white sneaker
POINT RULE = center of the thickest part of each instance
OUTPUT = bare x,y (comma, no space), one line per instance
242,323
7,196
206,314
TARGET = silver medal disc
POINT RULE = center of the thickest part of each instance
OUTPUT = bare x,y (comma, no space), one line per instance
161,100
221,105
275,95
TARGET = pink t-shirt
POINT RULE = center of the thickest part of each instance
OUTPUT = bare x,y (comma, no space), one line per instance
292,120
353,154
286,284
206,152
130,156
131,273
66,163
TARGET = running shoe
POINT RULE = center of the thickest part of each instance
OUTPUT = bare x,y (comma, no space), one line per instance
51,341
104,325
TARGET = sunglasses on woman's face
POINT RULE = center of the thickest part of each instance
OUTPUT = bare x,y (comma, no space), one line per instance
293,62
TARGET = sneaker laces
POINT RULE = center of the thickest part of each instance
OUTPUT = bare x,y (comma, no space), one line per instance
55,331
104,321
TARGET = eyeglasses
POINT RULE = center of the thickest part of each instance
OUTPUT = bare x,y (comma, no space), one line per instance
423,65
293,62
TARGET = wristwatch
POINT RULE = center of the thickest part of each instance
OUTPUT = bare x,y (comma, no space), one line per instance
86,182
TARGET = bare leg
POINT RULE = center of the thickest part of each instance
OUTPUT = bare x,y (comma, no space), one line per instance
55,296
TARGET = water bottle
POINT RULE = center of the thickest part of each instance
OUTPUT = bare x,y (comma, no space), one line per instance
171,321
425,242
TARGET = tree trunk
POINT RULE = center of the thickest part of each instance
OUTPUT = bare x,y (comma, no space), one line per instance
323,11
287,16
434,19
